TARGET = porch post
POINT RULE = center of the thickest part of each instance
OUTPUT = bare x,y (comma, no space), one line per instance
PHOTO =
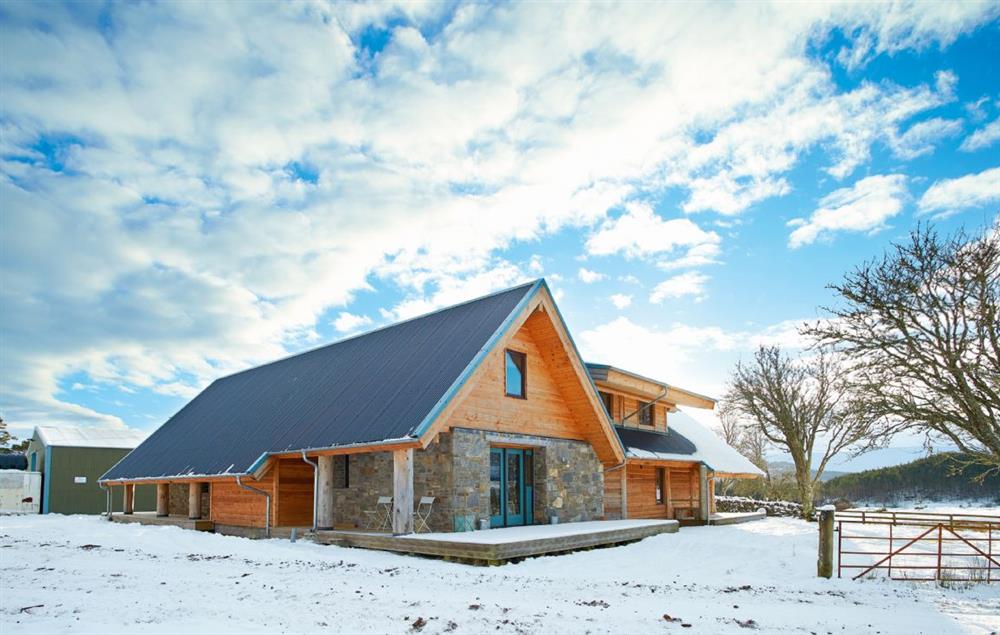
402,491
324,500
128,499
162,499
669,494
194,500
624,486
703,492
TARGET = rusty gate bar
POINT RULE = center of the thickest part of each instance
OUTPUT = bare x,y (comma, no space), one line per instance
932,527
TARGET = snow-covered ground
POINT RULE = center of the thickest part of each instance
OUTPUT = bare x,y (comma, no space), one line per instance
84,575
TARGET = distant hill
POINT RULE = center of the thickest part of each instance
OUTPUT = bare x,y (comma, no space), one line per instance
787,467
934,477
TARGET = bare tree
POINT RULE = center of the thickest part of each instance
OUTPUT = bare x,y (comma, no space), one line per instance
748,441
921,327
799,405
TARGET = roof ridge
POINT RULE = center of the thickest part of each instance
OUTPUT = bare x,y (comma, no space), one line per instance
380,329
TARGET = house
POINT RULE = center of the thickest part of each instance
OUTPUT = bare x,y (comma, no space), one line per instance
72,460
671,460
485,406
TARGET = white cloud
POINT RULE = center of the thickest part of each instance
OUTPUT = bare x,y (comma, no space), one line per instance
195,188
695,357
587,276
865,207
920,138
982,138
349,322
947,196
697,256
639,232
621,300
688,283
535,264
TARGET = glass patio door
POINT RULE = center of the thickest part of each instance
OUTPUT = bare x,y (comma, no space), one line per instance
511,489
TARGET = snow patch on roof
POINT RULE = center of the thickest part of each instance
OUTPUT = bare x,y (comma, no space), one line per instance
711,450
89,437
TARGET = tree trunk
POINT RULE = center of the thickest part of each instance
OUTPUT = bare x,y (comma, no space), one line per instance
805,485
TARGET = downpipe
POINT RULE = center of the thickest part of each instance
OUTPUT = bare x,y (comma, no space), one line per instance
315,467
267,517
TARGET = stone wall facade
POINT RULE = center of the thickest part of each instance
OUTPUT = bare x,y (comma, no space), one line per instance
568,478
370,476
178,500
455,470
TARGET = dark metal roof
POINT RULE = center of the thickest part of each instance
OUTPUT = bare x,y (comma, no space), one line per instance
669,442
374,387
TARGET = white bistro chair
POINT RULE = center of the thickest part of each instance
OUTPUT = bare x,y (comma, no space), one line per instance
423,513
378,519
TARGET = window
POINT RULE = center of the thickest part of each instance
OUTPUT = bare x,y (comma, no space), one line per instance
645,413
342,471
609,400
516,364
659,485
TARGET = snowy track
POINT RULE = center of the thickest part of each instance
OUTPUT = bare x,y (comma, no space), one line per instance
90,576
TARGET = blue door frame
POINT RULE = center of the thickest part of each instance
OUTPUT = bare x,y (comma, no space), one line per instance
511,487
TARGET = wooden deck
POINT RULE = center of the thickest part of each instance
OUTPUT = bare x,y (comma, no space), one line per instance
150,518
496,546
735,518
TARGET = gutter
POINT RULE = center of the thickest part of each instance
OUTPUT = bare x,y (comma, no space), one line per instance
267,517
261,461
315,467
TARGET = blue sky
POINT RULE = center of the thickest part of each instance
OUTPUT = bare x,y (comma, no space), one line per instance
188,190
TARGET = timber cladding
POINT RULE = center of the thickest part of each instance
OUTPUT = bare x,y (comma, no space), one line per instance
680,490
557,405
233,505
293,506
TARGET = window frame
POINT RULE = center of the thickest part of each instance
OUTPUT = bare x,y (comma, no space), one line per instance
646,413
660,490
523,367
608,399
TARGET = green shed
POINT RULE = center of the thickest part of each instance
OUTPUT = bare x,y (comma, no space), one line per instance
72,459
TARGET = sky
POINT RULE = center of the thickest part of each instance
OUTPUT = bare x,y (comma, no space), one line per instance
191,189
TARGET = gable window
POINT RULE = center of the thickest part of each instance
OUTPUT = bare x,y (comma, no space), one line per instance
645,415
608,400
659,485
516,373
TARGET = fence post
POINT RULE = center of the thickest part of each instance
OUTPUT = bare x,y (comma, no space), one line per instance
824,564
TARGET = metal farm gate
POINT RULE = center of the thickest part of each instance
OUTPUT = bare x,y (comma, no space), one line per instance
918,545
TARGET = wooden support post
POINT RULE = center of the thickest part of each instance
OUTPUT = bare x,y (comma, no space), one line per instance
324,500
162,499
703,504
402,491
194,501
128,500
824,563
670,495
624,492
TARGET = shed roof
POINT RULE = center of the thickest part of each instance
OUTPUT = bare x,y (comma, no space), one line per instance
686,440
89,437
375,387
